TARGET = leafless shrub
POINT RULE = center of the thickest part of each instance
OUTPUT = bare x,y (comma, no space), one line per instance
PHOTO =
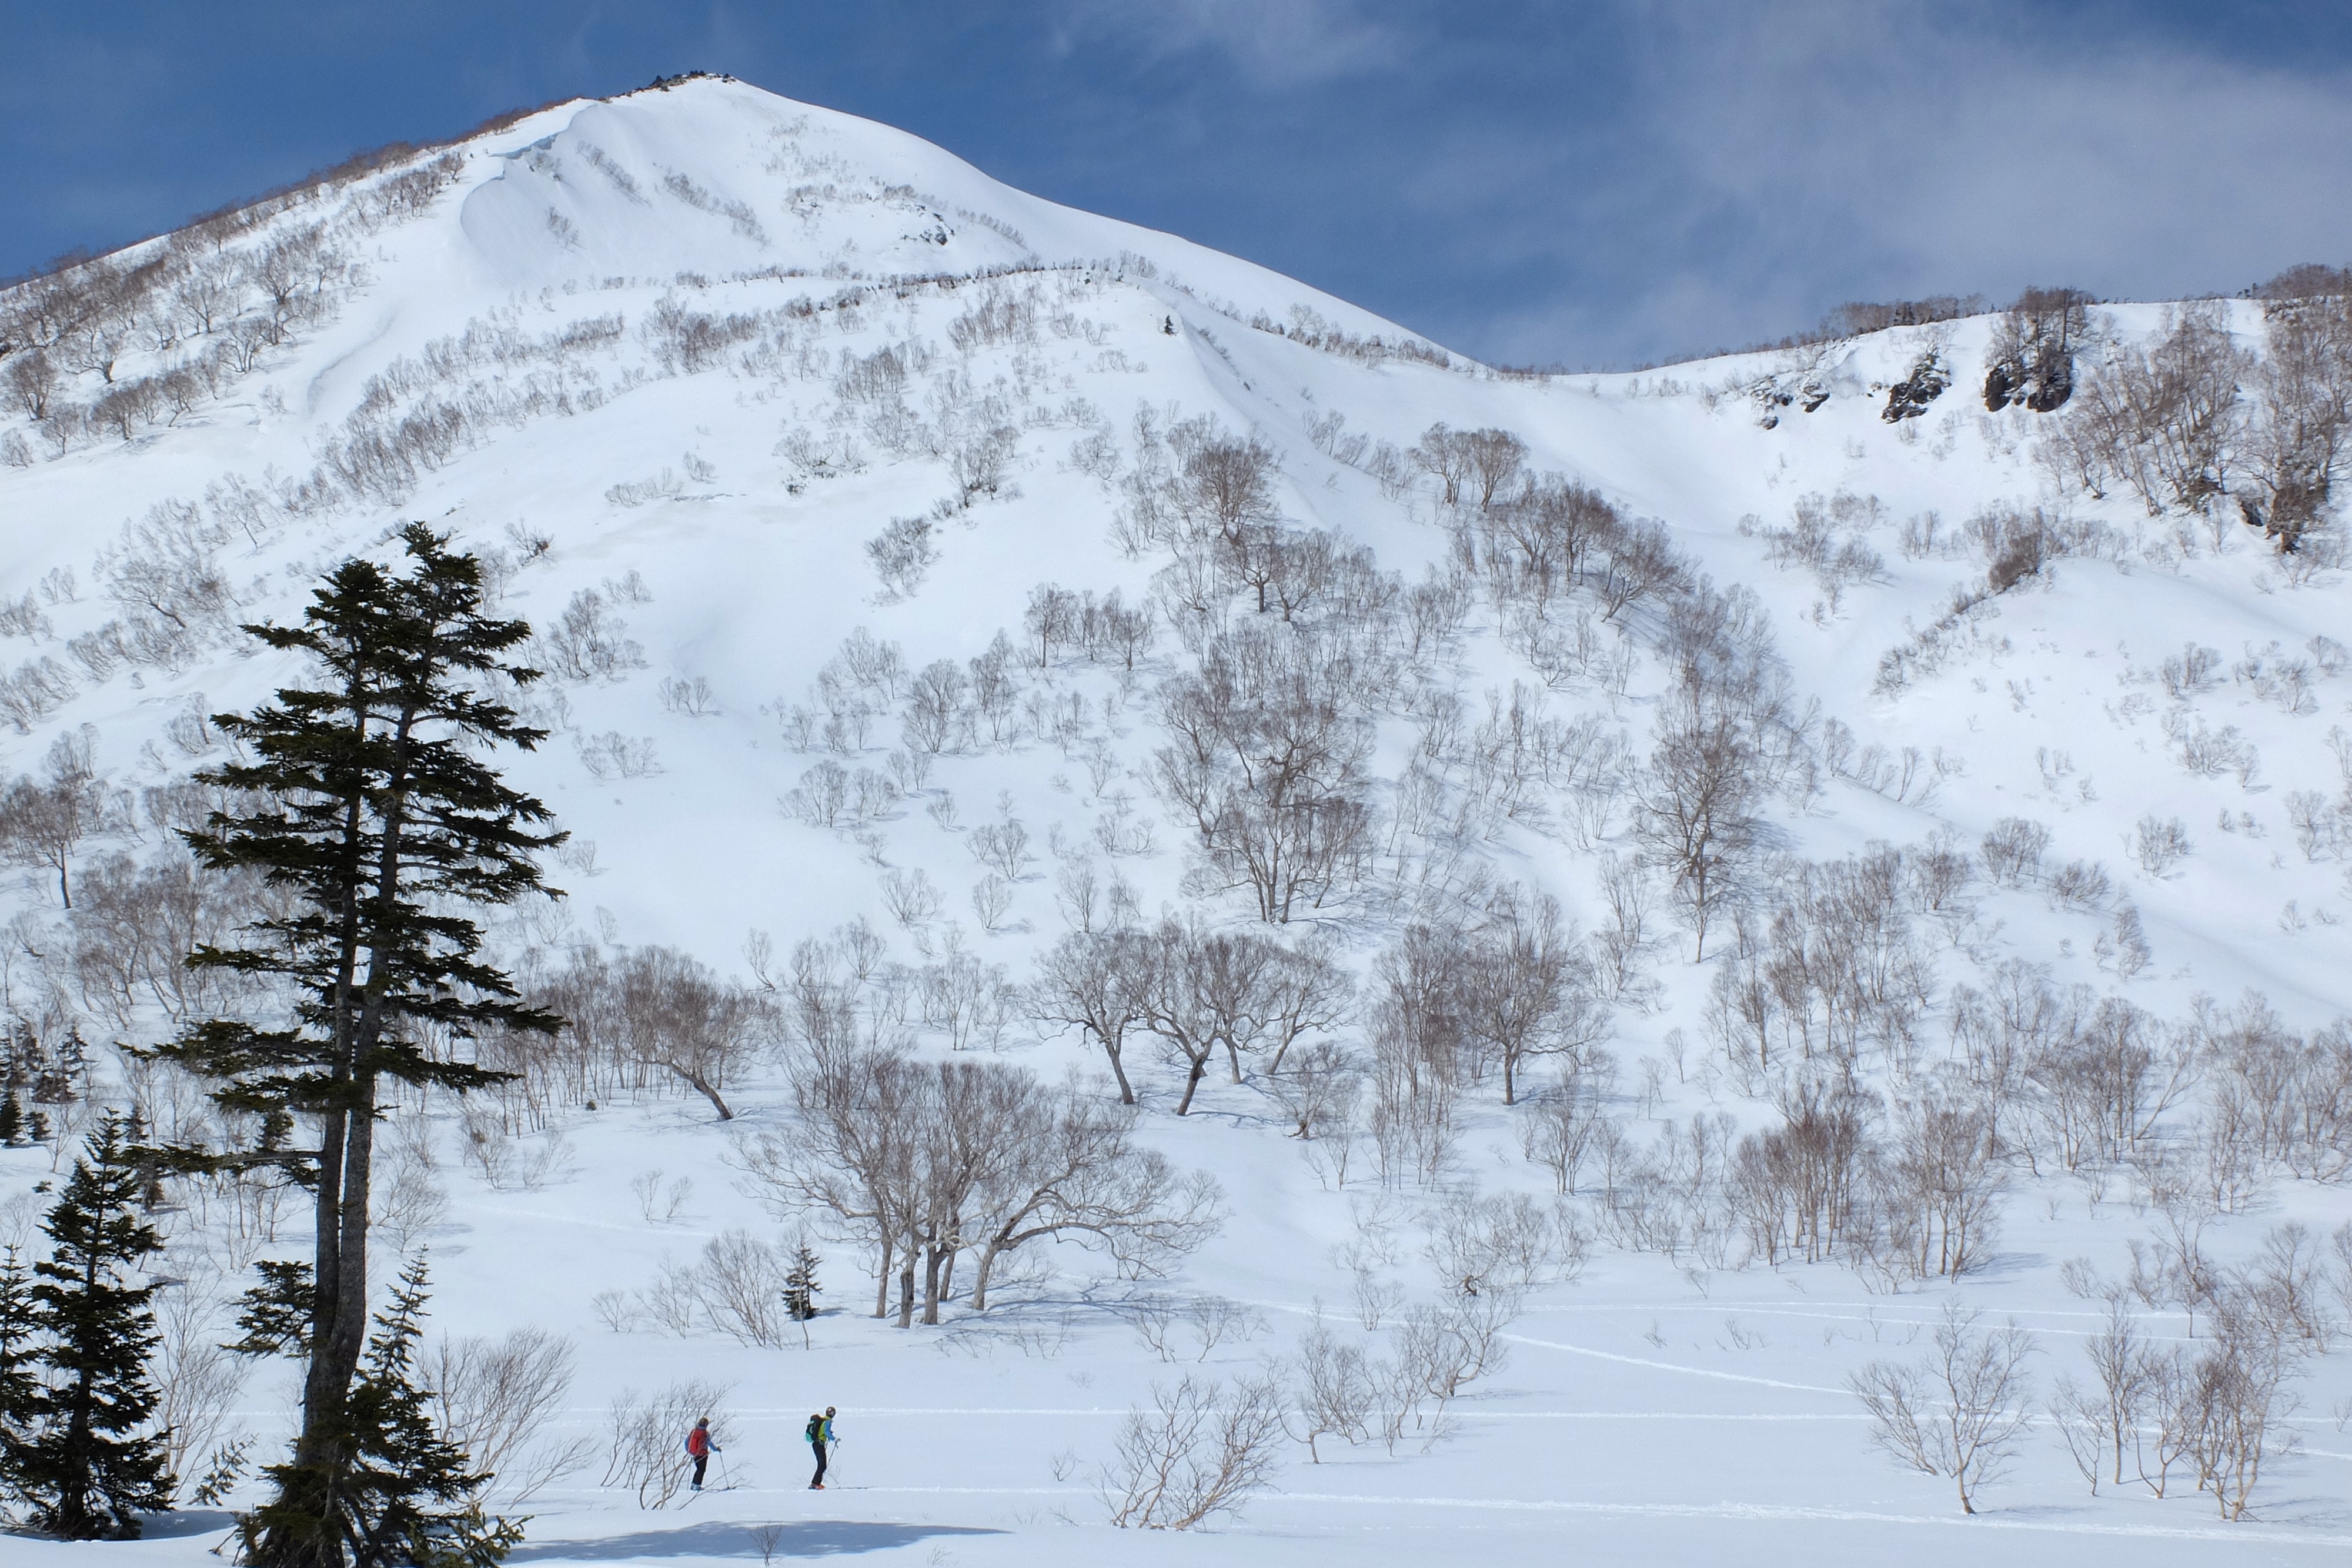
495,1398
910,898
613,755
1201,1450
33,383
1961,1413
690,342
588,642
992,899
1003,847
979,463
644,1453
660,1205
1826,536
1562,1127
823,796
1502,1244
43,821
1336,1388
1268,744
2209,753
2013,850
408,1203
2159,844
1528,990
902,554
2316,821
1174,1327
196,1379
692,698
2081,885
163,575
37,689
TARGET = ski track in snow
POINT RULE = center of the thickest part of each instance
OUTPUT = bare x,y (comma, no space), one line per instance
2242,1535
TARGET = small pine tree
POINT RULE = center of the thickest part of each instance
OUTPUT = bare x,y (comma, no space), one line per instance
802,1289
88,1468
12,1118
404,1493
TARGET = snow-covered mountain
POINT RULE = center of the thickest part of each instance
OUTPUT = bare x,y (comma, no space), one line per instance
772,420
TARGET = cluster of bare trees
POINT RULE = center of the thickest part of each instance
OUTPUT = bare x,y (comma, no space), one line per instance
2191,418
649,1018
1266,760
1833,966
1062,623
195,310
2018,544
589,642
2216,1410
422,412
2030,360
1194,992
926,1163
1537,539
2302,405
1922,1203
1828,536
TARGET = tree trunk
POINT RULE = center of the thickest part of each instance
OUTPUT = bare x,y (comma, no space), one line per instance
1118,1070
980,1271
1193,1081
701,1086
932,1260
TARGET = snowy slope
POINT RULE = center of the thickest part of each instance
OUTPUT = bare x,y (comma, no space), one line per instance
648,332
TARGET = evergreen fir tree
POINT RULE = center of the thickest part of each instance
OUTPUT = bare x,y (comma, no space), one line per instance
87,1468
376,814
20,1381
800,1288
12,1118
405,1494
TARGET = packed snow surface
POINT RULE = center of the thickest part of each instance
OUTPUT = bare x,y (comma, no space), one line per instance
699,346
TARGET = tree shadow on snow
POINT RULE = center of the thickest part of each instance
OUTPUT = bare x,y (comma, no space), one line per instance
718,1537
181,1522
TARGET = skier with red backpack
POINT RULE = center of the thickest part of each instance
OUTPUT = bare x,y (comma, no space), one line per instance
699,1446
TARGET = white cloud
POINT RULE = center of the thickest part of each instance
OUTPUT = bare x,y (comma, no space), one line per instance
1769,162
1274,42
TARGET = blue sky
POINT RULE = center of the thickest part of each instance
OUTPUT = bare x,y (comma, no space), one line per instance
1587,182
